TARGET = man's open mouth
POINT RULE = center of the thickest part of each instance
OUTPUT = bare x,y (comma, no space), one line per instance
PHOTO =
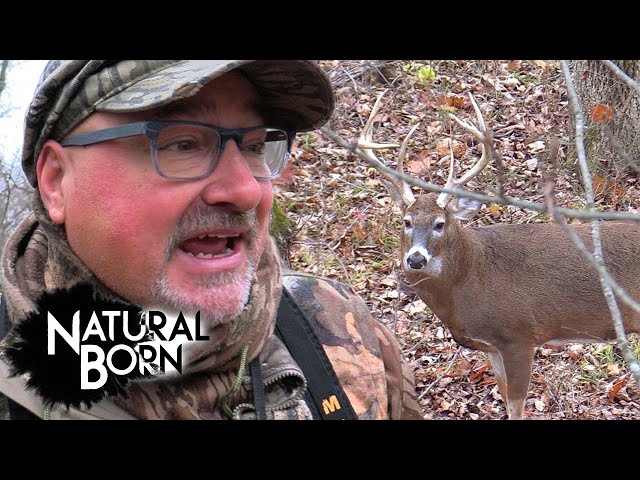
211,245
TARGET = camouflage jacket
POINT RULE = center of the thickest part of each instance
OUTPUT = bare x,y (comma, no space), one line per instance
364,354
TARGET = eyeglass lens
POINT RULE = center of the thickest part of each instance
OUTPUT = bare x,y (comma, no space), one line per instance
189,151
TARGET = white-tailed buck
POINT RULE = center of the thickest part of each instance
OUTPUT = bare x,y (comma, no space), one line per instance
505,289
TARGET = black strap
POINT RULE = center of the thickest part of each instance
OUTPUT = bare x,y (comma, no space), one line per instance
328,398
258,389
5,324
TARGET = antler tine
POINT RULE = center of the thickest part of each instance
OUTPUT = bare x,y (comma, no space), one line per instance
478,113
444,198
407,194
367,146
364,142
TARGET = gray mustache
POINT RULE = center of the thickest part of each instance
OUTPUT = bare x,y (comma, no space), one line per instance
210,217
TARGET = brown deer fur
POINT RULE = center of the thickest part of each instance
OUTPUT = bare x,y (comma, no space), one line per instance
505,289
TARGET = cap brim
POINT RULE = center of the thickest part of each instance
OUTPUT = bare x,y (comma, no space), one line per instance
296,93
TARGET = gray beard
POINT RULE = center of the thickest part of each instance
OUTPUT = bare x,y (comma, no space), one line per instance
169,300
196,219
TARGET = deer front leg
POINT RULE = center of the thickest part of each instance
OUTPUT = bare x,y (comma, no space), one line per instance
512,368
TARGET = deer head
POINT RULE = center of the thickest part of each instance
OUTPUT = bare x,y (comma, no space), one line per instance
430,222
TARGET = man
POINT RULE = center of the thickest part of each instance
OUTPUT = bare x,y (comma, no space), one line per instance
153,191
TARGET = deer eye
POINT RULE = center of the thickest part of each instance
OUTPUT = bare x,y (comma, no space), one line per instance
407,222
438,226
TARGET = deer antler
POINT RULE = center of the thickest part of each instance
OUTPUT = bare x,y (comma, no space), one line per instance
367,146
482,136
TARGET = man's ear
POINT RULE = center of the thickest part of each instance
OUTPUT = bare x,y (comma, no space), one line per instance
50,169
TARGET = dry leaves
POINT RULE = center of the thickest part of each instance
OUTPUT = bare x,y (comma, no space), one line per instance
444,146
606,186
616,388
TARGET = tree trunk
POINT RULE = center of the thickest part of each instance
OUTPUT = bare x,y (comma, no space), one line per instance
613,147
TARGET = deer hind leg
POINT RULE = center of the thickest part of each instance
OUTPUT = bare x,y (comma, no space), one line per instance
512,368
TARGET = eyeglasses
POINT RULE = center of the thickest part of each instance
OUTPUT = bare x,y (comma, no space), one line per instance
183,150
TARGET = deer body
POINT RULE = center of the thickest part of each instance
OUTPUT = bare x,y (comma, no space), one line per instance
505,289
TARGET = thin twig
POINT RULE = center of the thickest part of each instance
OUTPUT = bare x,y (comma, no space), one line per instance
498,159
353,80
426,390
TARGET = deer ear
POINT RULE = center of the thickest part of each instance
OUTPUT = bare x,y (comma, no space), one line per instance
464,208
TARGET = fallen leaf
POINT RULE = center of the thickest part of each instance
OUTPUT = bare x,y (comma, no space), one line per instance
601,113
445,405
464,367
417,167
358,232
532,164
606,186
443,147
613,369
513,65
542,64
424,97
451,100
539,404
388,282
616,388
536,147
416,307
477,375
494,209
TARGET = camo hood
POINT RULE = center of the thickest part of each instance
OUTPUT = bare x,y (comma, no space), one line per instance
296,94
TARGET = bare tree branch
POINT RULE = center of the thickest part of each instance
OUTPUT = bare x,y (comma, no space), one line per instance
598,263
505,200
631,83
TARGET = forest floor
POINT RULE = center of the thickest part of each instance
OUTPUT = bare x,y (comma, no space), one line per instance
345,226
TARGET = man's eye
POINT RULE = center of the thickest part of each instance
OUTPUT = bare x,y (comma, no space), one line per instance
180,145
185,145
254,148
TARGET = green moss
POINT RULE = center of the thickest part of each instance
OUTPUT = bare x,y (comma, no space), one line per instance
280,228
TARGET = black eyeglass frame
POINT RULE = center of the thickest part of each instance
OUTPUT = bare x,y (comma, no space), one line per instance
151,128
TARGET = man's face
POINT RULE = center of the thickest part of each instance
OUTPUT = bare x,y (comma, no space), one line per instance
188,245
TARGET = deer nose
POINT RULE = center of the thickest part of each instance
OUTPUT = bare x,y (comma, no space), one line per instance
416,261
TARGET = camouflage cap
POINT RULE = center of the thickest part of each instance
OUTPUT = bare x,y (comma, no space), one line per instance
296,93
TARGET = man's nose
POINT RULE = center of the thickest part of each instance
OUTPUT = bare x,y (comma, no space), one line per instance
232,181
